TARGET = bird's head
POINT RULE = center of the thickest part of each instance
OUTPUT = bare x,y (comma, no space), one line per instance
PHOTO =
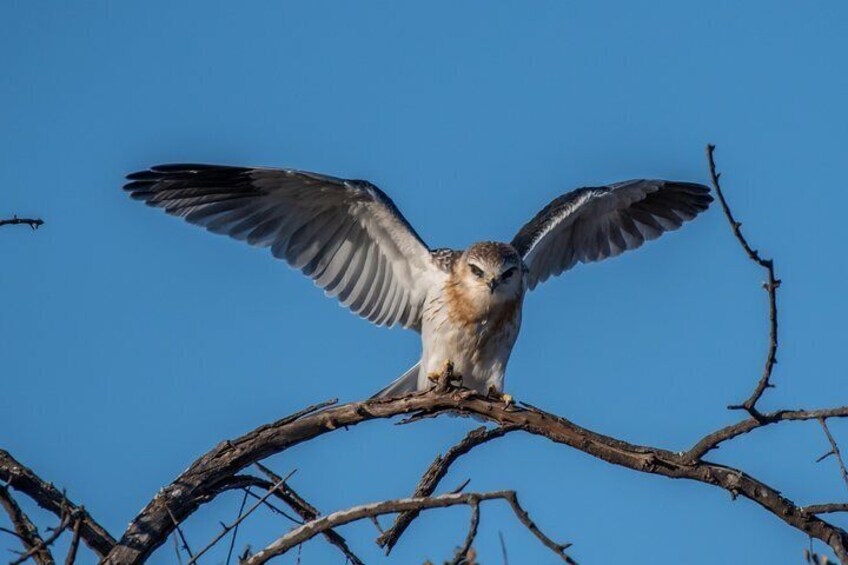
493,269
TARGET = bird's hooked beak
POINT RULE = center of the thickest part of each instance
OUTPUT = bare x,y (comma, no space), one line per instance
492,284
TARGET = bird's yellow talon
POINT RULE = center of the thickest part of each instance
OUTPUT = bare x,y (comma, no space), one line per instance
445,378
495,394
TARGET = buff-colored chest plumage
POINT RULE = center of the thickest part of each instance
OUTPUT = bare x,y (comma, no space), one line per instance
475,331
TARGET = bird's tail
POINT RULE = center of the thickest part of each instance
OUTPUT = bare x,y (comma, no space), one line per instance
406,383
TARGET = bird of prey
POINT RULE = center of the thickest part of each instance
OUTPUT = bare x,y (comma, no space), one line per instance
351,239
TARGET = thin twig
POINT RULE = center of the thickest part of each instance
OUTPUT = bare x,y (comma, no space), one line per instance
524,518
180,532
294,500
71,558
461,486
462,553
229,527
236,529
177,548
244,482
825,456
771,286
271,507
503,548
12,533
835,451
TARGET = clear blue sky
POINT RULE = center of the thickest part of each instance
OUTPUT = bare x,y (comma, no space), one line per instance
131,343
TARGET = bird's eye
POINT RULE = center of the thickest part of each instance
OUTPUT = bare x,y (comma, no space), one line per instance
508,273
476,270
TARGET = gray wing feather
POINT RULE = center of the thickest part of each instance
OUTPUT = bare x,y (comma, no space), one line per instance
347,235
592,224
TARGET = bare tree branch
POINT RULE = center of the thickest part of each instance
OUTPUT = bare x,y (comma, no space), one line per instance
834,449
308,512
288,495
462,552
236,529
43,546
434,474
239,520
177,551
826,508
771,286
25,530
524,518
365,511
22,479
504,557
71,558
152,526
713,440
180,533
244,482
16,221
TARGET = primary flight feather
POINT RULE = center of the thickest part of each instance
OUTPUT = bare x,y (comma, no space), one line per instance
351,239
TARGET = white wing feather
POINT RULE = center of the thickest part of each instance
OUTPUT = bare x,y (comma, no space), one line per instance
347,235
591,224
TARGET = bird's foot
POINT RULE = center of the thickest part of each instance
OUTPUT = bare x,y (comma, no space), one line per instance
445,379
496,394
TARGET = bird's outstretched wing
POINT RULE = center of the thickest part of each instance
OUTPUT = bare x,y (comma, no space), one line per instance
591,224
347,235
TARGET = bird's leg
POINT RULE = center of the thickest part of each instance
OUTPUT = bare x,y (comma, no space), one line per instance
495,394
445,379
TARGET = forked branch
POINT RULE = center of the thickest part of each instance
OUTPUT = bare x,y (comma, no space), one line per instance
25,530
434,474
308,512
366,511
834,449
22,479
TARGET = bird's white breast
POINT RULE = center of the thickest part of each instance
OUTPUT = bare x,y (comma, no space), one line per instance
475,335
